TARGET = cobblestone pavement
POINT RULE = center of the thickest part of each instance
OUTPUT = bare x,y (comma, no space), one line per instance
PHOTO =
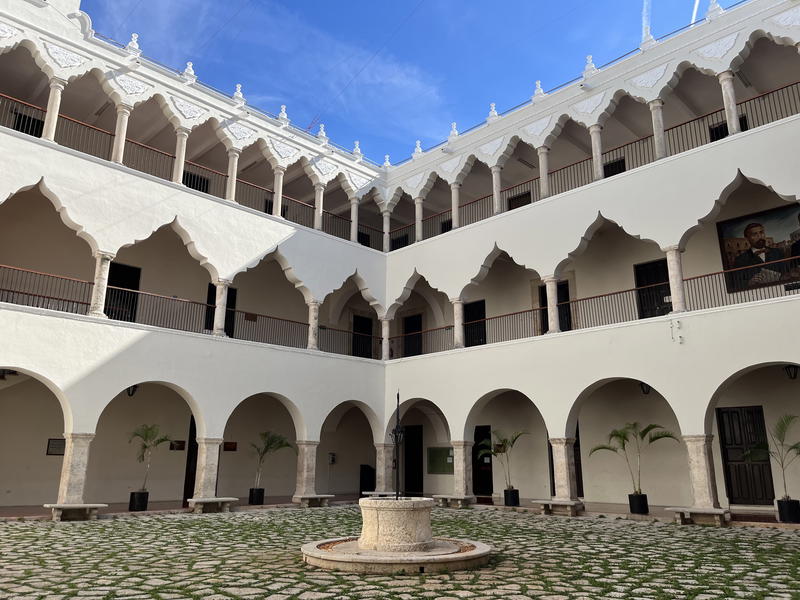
255,555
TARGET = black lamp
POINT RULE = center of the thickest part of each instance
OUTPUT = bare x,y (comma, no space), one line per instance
397,438
645,387
131,390
791,371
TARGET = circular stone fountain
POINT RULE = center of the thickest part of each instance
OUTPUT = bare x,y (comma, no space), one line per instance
396,537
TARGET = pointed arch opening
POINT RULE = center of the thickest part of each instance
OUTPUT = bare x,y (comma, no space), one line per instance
24,91
349,323
206,166
87,116
151,139
520,176
570,157
422,321
476,202
628,136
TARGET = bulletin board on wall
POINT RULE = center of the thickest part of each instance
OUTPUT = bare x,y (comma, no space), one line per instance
440,461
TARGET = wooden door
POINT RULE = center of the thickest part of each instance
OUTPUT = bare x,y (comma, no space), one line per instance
413,460
652,293
482,484
747,480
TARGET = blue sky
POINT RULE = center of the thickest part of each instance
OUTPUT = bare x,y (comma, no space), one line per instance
385,73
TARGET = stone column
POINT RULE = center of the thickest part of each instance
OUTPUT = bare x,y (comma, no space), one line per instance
221,306
729,100
53,106
462,468
319,195
701,471
595,131
387,223
353,219
454,204
417,219
458,323
306,469
233,174
497,200
659,137
120,133
313,325
551,287
73,468
544,171
564,468
277,191
205,481
676,286
101,267
384,467
386,352
181,136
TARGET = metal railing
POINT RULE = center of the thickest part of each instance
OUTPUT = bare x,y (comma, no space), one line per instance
83,137
268,330
504,328
402,236
168,312
475,211
771,106
570,177
203,179
335,225
21,116
298,212
370,237
526,192
773,279
437,224
618,307
339,341
148,160
42,290
422,342
254,196
633,154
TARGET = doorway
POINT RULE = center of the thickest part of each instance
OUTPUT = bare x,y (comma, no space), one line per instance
475,323
230,312
564,309
362,337
191,463
121,304
412,338
413,460
652,289
482,485
747,480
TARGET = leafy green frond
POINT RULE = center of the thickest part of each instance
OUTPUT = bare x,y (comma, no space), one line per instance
609,447
782,427
270,442
643,433
661,435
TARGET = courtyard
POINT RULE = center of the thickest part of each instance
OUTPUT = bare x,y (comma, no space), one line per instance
255,555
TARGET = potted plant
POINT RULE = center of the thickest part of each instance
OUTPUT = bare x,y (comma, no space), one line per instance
784,454
149,438
501,450
627,442
269,442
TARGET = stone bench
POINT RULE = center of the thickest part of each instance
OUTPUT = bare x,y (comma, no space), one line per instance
451,501
210,505
313,500
700,516
569,508
75,512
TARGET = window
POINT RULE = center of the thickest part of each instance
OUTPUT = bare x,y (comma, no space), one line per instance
364,238
401,241
230,312
446,225
268,208
122,301
615,167
195,181
28,124
362,336
519,200
475,323
720,130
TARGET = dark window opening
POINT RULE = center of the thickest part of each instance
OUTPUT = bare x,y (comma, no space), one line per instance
446,226
720,130
195,181
28,124
364,238
519,200
412,338
362,336
475,323
652,289
401,241
564,309
615,167
268,204
121,297
230,312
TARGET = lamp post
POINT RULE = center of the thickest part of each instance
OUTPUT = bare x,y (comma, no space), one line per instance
397,438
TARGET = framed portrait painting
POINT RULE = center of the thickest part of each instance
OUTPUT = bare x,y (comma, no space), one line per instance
756,248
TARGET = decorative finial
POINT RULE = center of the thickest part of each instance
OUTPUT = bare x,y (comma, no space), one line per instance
386,162
238,97
538,92
417,149
493,116
589,69
357,150
714,10
282,116
133,45
321,134
188,73
453,130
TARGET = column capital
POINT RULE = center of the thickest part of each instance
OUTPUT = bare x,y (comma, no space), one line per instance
384,445
455,185
57,83
725,75
181,131
386,213
595,128
234,152
279,168
124,109
462,444
105,255
418,200
306,443
320,186
673,248
496,168
565,441
543,149
209,440
546,278
225,282
698,438
456,301
79,436
657,103
312,303
354,200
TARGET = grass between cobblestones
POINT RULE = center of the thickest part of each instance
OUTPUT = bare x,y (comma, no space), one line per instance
255,555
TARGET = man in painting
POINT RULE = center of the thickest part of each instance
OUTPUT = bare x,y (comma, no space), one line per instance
757,254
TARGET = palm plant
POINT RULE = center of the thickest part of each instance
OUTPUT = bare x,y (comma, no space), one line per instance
269,442
501,450
628,441
150,438
782,452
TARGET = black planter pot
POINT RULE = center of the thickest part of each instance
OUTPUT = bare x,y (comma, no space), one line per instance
638,504
138,501
511,497
789,511
256,496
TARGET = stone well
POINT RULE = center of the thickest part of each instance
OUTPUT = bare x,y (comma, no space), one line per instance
390,525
